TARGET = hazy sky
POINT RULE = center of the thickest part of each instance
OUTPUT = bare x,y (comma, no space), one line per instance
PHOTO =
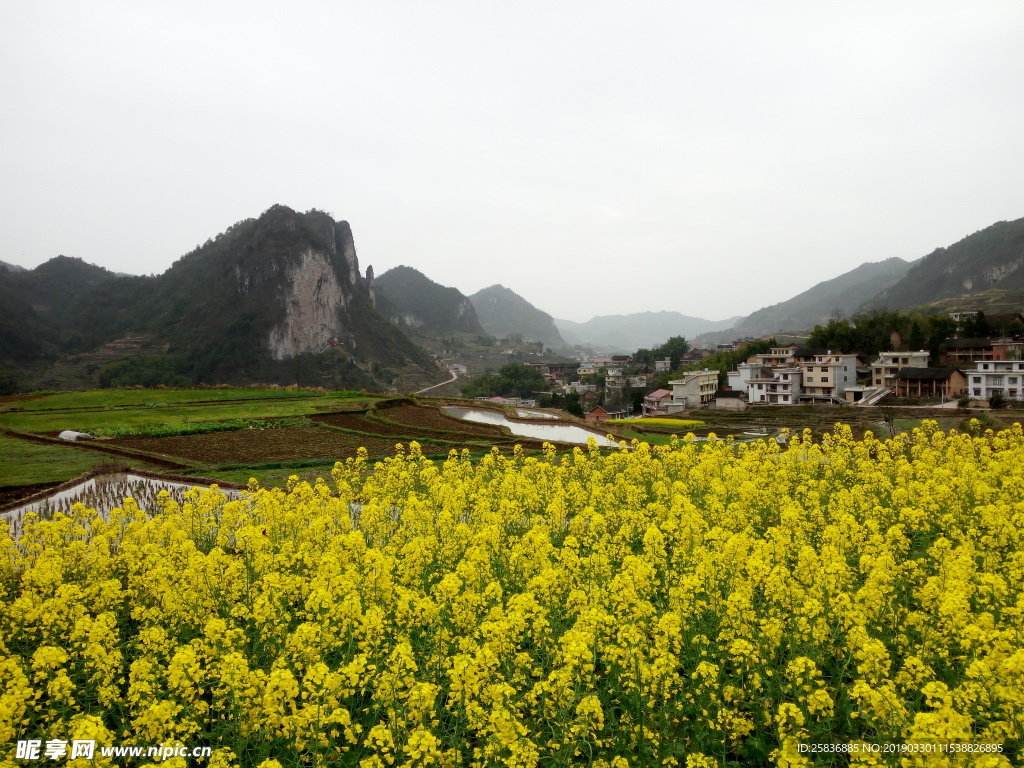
596,158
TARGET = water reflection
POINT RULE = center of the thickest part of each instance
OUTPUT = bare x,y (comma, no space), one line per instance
557,433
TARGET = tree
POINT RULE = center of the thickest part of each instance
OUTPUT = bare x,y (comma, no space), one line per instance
916,339
511,380
572,405
996,401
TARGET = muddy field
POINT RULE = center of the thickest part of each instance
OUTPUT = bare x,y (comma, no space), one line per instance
416,416
262,446
360,422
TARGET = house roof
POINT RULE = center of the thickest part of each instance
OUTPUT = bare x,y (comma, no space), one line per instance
809,352
728,393
926,374
609,411
968,343
659,393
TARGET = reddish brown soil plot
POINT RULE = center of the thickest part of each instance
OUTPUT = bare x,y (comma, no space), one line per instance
431,418
246,446
361,423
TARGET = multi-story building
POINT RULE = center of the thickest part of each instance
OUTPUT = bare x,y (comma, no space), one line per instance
826,376
780,386
1007,349
656,403
888,364
777,356
695,389
663,366
739,379
1003,376
961,352
930,382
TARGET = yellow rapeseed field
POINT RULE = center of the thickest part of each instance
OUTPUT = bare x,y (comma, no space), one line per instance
686,605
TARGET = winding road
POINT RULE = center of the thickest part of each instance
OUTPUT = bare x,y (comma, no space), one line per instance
453,378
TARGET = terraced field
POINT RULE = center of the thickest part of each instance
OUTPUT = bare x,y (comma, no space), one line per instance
338,425
261,446
418,417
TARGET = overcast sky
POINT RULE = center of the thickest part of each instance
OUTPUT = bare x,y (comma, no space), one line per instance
597,158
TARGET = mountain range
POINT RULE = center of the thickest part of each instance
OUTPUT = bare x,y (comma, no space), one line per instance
281,298
411,299
503,312
641,330
986,260
839,297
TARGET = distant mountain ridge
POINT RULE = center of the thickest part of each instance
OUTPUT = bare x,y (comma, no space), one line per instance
843,295
640,330
990,258
408,297
502,312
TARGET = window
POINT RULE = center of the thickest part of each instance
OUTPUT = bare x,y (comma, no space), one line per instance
1013,379
997,381
810,378
984,366
824,369
977,392
977,379
904,361
824,379
846,368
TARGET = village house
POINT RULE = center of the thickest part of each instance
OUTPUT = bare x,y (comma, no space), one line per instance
777,356
562,372
580,388
943,382
690,358
656,403
663,366
729,400
600,413
888,364
695,389
614,380
588,400
1005,377
960,352
740,378
1007,349
956,317
826,376
781,386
